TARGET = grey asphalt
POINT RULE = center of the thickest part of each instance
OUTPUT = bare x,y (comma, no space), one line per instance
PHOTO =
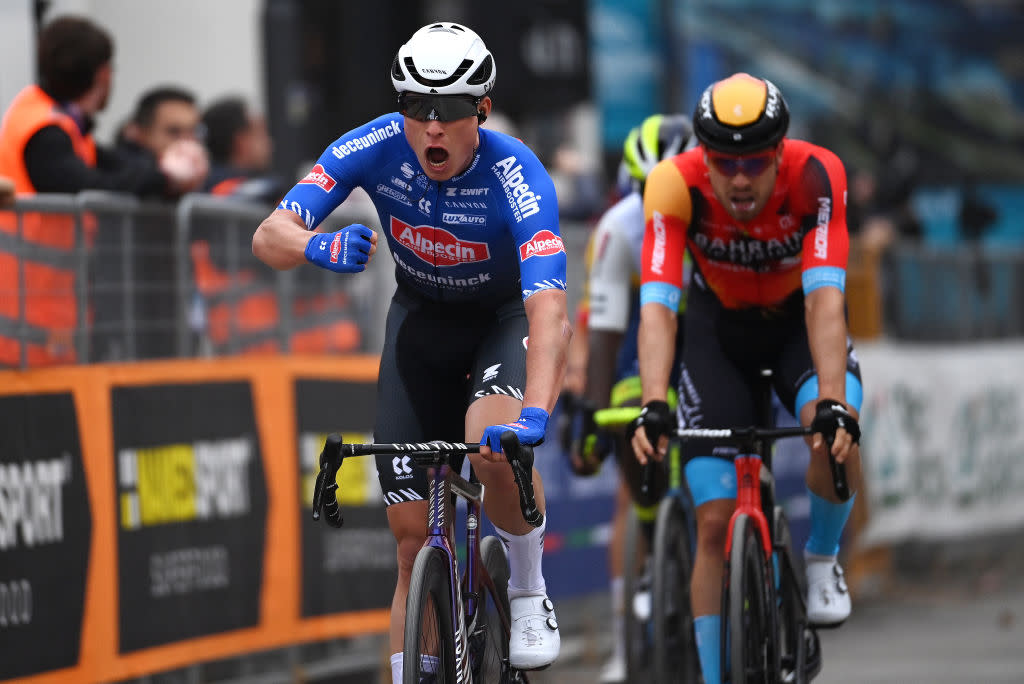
970,630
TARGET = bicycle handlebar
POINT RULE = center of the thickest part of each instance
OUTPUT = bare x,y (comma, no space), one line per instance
616,417
839,481
423,454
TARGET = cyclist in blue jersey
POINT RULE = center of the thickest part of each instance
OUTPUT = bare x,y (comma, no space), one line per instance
477,330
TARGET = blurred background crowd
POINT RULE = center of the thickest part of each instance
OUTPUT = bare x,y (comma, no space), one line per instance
922,100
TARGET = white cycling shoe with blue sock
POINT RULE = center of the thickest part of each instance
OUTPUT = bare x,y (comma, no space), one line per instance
535,641
828,597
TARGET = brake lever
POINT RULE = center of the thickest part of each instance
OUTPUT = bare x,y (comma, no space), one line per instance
325,497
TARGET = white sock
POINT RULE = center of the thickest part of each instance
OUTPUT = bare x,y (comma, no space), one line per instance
396,668
524,561
618,587
817,557
429,664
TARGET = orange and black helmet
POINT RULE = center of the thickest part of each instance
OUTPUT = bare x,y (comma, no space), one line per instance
741,114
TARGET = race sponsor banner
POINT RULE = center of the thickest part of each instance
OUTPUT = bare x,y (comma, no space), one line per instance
45,534
942,439
355,567
191,511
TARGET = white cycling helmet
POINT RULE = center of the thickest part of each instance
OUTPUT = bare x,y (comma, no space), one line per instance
444,59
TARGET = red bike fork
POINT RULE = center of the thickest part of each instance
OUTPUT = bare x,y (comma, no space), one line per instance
748,501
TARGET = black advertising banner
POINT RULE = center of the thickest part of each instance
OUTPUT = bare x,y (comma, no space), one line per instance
540,50
191,511
45,534
353,568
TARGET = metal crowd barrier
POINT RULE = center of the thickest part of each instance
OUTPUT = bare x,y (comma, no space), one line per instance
136,289
13,243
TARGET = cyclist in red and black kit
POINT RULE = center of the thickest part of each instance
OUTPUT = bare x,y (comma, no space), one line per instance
764,218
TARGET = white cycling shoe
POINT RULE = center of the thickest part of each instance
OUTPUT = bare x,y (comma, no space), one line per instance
828,597
614,671
535,640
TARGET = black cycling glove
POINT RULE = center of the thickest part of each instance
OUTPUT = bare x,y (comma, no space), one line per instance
829,416
657,419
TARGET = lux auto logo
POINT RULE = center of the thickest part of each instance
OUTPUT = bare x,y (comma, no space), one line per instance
400,464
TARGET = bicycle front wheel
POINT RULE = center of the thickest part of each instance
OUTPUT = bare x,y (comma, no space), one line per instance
799,650
636,627
674,648
429,629
489,627
748,596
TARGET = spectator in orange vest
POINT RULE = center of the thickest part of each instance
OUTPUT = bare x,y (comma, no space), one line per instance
6,192
46,146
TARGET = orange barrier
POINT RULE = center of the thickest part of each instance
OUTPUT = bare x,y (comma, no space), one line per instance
162,527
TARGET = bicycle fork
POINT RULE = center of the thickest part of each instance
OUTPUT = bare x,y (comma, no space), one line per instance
440,529
748,501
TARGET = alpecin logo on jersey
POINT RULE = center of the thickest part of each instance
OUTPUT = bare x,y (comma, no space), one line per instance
436,246
319,177
522,200
543,243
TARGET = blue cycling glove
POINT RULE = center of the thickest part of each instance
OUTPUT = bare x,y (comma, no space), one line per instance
343,251
529,429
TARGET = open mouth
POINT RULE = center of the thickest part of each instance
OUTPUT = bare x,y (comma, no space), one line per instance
742,204
437,156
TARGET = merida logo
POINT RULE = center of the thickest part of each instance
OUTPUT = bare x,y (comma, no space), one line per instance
821,232
658,253
436,246
521,199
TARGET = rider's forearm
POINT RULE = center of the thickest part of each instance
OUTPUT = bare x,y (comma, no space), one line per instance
656,341
601,365
826,334
281,239
548,349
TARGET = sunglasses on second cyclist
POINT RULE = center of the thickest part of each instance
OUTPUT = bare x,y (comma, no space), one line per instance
751,165
437,107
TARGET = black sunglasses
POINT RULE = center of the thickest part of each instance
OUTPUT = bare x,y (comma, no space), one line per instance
437,107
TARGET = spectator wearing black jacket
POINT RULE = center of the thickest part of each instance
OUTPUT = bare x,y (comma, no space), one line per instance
240,152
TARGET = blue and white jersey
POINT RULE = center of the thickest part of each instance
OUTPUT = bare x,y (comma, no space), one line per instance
452,240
